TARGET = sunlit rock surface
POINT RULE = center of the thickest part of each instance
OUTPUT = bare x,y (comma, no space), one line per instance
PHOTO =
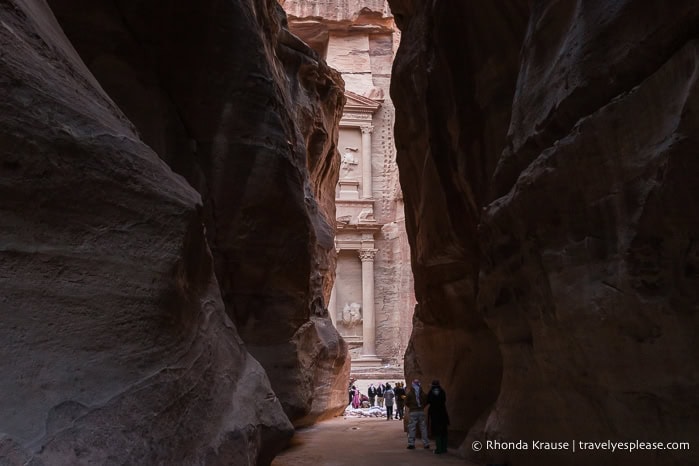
359,39
118,322
547,156
350,12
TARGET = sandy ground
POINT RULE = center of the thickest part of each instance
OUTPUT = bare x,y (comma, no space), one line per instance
360,442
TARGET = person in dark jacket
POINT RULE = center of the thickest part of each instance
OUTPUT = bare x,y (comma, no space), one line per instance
400,399
372,394
416,402
438,416
379,394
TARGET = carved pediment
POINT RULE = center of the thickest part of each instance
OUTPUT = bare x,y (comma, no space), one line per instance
360,104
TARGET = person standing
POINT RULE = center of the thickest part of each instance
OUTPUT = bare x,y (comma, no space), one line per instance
400,399
439,418
372,394
379,394
388,396
416,401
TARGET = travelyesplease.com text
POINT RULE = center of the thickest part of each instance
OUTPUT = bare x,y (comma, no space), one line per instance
579,445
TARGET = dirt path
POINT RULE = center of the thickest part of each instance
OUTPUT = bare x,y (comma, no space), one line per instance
360,442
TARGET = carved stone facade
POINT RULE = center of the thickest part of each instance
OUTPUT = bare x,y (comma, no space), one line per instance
372,301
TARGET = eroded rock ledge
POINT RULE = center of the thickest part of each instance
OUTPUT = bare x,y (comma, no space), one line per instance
166,201
547,161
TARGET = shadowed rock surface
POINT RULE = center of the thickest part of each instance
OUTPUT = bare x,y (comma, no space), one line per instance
547,156
252,126
119,331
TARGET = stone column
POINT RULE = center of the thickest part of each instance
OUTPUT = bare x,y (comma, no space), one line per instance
368,320
366,162
332,305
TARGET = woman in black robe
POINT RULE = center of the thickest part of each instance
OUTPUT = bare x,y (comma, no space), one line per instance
438,416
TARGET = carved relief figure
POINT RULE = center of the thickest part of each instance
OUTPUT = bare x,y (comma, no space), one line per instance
366,215
348,161
351,314
344,219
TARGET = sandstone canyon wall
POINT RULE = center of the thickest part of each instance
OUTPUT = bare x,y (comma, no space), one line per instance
165,190
548,161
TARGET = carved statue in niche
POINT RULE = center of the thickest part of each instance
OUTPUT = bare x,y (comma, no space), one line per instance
344,219
348,161
366,215
351,314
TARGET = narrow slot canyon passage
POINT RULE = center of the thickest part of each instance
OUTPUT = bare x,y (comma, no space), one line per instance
222,221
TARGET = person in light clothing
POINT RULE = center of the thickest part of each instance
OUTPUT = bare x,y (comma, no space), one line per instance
389,396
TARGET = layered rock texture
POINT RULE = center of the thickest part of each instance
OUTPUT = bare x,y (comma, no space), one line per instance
167,174
548,161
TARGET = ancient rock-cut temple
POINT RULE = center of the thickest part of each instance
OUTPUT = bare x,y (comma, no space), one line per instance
372,301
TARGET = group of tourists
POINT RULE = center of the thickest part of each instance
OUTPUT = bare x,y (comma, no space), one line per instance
382,395
415,400
375,396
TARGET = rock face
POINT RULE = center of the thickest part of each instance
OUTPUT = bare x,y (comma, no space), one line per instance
252,126
547,160
118,323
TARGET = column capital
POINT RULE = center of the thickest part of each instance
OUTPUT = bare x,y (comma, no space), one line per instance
366,129
367,254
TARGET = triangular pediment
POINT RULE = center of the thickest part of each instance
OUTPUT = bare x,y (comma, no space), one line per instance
359,103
